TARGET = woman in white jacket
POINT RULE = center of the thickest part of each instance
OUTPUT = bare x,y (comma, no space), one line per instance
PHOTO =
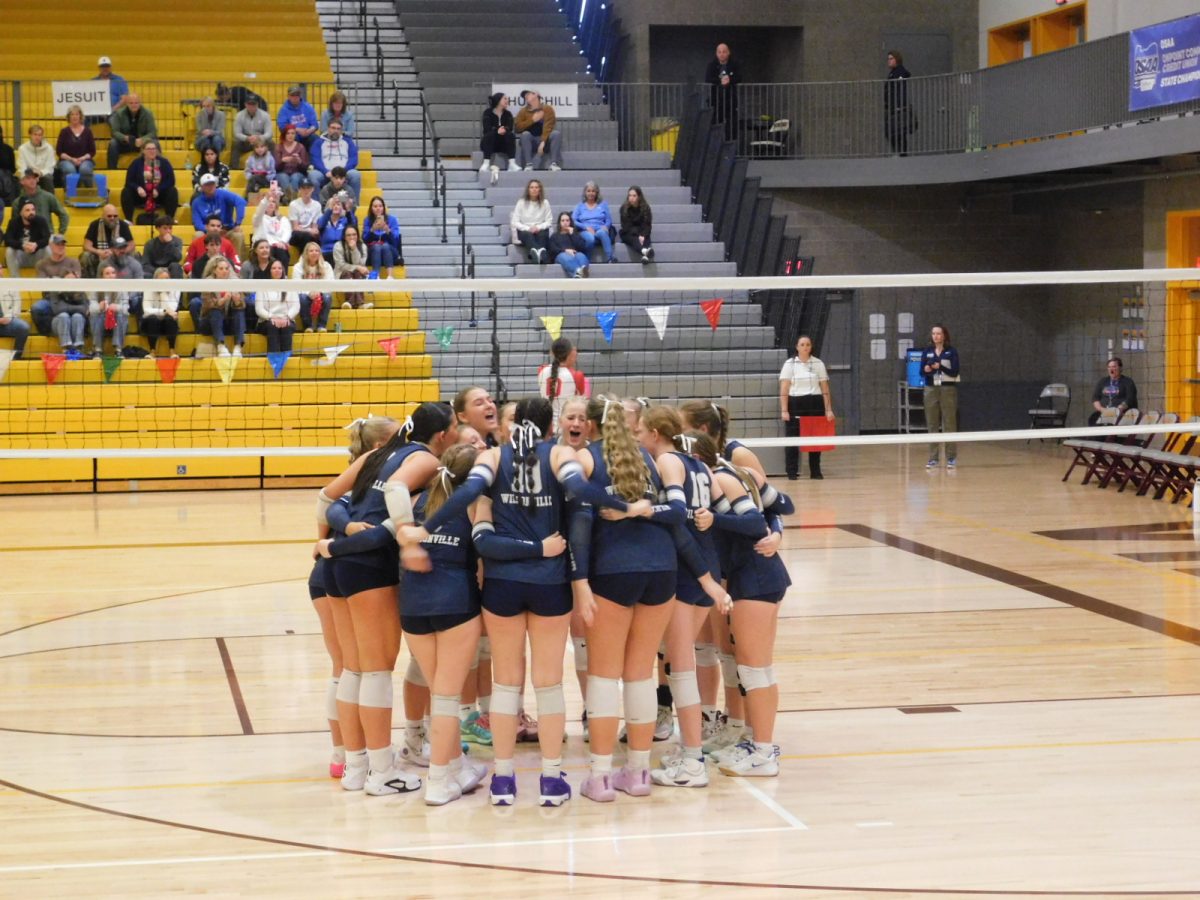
314,306
160,316
277,311
531,222
273,227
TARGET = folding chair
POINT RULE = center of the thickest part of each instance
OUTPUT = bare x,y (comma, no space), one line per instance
1085,447
1051,408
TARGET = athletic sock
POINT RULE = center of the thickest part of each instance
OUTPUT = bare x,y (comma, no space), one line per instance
767,750
438,773
464,710
485,704
709,712
504,767
737,723
425,724
552,768
412,731
339,754
638,759
601,763
693,753
381,760
356,758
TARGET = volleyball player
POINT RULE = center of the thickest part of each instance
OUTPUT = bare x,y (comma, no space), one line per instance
474,406
575,431
365,571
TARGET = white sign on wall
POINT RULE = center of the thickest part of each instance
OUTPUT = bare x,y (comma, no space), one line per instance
91,96
564,97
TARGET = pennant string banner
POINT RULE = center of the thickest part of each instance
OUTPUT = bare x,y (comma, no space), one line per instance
444,335
53,363
389,345
553,326
226,365
658,317
608,321
167,369
712,311
111,364
278,361
6,358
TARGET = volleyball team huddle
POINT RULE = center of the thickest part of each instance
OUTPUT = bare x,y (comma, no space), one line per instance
639,531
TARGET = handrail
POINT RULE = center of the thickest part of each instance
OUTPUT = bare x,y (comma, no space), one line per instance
462,232
442,190
471,274
501,390
362,23
395,117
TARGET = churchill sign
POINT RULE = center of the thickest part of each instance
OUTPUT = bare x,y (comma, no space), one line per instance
91,96
563,97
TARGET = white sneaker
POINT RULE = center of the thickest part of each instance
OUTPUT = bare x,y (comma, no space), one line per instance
484,167
495,174
347,305
529,168
731,753
725,735
222,350
664,724
442,791
415,755
681,771
512,166
753,765
393,781
354,777
469,775
367,306
237,351
555,167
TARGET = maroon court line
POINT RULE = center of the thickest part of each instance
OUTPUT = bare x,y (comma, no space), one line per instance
234,688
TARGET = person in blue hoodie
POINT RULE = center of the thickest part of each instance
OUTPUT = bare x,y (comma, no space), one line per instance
299,112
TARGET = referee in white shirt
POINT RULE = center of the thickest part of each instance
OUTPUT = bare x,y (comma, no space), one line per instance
803,391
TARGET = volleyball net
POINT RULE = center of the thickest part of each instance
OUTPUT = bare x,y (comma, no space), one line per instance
1033,349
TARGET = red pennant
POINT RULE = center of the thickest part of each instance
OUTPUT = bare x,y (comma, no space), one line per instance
712,311
167,369
53,363
389,344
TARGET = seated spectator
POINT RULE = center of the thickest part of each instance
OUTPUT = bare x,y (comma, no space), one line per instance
257,266
250,122
160,316
1113,391
132,126
272,226
594,221
210,164
334,187
37,156
221,310
498,137
196,250
335,150
149,186
385,246
350,261
260,168
338,109
27,237
299,112
57,265
238,96
569,248
102,233
11,323
68,318
222,203
276,312
118,87
210,249
305,215
210,126
314,306
125,260
532,221
636,222
47,204
108,311
291,164
164,251
8,174
333,225
76,148
536,134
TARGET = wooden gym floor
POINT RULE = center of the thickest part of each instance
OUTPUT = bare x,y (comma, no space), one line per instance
990,685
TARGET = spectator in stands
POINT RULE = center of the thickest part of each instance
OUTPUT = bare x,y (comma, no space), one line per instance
532,222
160,316
898,115
76,148
68,312
723,76
197,250
57,265
118,87
299,112
385,246
47,204
222,203
132,126
335,150
272,226
350,261
594,220
149,186
98,242
257,266
210,164
499,139
1114,391
125,260
315,305
11,323
210,126
291,164
108,311
276,311
939,362
537,135
335,187
305,214
636,222
238,96
221,310
37,156
8,174
210,248
338,109
333,225
252,120
260,168
568,247
164,251
27,237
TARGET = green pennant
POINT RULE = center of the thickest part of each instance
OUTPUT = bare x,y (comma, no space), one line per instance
444,336
111,364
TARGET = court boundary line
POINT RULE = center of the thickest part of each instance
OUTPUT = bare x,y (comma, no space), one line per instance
239,704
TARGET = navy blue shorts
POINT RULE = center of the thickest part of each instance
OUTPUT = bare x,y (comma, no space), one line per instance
511,598
316,580
632,588
775,597
434,624
347,577
688,590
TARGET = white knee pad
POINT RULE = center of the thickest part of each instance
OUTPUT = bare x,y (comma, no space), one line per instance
506,699
753,679
376,690
348,685
729,669
475,659
331,693
706,655
414,675
550,700
685,689
441,705
323,504
641,701
603,697
580,645
485,647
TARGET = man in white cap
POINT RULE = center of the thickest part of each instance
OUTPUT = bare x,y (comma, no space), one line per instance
118,87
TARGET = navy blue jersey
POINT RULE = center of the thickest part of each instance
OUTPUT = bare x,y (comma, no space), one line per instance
697,490
628,545
731,445
450,588
749,573
529,507
372,508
